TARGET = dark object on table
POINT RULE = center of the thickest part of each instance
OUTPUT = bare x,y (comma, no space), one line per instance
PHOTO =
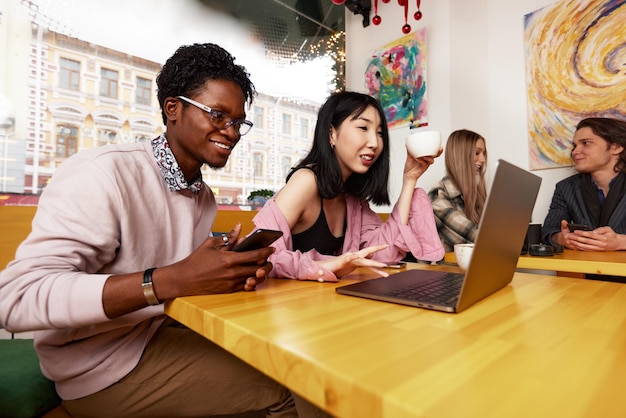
541,250
533,236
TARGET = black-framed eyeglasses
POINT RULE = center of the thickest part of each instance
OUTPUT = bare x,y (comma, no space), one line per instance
221,120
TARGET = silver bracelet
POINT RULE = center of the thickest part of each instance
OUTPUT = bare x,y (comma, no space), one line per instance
148,289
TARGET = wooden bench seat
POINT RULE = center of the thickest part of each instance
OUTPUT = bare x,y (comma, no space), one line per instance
15,224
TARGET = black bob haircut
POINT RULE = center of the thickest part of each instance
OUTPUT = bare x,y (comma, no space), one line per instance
372,185
185,72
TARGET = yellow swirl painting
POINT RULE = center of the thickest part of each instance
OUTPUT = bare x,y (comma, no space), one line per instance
575,68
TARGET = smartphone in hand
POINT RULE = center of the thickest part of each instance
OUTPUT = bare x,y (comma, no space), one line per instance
260,238
573,227
397,265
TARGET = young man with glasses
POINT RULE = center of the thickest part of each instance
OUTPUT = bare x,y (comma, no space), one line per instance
122,228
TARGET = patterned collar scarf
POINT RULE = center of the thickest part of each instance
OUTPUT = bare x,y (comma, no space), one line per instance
172,174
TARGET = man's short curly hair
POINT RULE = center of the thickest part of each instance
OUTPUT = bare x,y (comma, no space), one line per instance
185,72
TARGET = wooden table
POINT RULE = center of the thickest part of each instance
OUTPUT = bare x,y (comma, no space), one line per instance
571,261
544,346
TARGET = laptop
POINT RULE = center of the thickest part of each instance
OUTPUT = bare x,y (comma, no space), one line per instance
501,232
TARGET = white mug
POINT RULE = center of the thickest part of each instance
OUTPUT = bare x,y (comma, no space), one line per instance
463,254
423,143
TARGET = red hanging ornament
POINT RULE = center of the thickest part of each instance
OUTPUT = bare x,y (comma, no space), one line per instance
406,29
418,14
376,19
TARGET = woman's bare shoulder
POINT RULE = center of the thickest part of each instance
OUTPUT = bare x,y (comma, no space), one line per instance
299,198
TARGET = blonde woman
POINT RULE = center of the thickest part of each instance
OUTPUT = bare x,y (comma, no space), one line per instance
459,197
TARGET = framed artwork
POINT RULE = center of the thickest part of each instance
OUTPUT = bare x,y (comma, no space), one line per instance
575,68
396,76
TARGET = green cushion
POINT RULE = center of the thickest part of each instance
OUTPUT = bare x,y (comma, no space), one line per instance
24,391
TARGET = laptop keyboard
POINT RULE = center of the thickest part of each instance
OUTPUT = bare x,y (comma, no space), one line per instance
444,290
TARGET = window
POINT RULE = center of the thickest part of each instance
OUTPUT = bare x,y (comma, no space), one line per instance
125,107
108,83
258,164
285,164
143,94
286,124
67,141
259,118
228,168
106,137
70,74
143,138
304,128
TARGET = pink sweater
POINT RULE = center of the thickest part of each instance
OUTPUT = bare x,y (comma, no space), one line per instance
106,211
364,229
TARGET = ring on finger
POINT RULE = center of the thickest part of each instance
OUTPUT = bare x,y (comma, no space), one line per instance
225,239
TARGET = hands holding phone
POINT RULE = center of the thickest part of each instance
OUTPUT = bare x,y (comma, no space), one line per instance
259,238
214,267
584,238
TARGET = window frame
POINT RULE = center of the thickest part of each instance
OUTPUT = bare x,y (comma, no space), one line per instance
143,93
108,85
69,78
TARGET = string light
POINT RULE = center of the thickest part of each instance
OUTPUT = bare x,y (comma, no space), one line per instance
333,47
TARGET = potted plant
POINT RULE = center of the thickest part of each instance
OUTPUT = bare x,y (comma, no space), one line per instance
259,197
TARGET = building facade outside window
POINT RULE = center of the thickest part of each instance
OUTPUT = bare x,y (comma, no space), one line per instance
257,164
142,138
108,83
286,124
67,141
143,92
90,95
304,128
259,118
106,137
70,74
285,164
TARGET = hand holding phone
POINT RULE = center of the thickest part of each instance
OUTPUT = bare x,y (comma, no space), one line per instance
574,227
260,238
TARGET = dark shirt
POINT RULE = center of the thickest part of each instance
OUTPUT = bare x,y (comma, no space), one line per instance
319,237
574,202
600,192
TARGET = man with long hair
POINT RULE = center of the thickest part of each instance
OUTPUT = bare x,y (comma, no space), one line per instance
596,195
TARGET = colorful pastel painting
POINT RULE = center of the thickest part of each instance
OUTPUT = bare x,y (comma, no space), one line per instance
575,68
396,76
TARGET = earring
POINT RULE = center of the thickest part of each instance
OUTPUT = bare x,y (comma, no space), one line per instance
332,146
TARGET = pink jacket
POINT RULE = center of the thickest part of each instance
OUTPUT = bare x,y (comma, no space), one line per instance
364,229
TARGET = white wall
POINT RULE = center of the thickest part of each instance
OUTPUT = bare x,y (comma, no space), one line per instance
476,78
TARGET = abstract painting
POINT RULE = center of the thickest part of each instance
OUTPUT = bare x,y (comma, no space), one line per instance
396,76
575,68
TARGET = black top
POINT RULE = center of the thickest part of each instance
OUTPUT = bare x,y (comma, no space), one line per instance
319,237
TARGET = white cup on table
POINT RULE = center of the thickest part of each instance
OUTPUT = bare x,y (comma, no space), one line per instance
463,254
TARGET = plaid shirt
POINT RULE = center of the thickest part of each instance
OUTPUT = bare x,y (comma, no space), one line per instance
452,224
